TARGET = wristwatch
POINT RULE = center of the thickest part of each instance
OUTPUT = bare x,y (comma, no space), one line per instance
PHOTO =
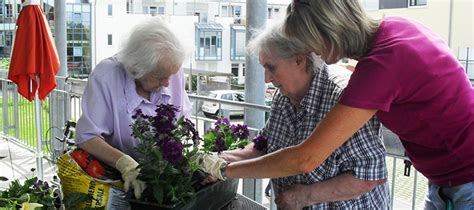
223,167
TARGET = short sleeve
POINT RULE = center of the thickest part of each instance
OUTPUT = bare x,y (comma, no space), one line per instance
373,85
96,119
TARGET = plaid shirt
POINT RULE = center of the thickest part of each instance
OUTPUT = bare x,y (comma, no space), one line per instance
363,154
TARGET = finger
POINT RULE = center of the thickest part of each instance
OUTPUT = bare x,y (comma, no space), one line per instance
212,179
126,185
137,191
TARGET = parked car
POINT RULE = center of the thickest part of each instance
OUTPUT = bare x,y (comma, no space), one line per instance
212,109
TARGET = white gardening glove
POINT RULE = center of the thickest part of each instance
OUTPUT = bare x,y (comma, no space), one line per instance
212,164
128,168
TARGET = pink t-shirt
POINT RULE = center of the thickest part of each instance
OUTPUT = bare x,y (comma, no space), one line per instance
423,95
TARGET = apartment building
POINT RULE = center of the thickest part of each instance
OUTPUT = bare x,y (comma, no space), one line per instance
214,30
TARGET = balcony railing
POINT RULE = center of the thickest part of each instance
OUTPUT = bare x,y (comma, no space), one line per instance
16,123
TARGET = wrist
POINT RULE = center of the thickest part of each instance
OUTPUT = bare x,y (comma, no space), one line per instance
125,163
223,169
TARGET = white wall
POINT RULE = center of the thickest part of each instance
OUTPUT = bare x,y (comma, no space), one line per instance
436,16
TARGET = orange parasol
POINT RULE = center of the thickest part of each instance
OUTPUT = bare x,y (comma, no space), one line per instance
34,55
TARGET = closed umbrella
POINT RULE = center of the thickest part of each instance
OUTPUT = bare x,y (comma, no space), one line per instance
34,62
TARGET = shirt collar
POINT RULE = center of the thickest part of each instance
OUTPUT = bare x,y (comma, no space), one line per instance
312,99
134,100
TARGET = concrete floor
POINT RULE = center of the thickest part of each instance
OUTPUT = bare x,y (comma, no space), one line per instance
20,164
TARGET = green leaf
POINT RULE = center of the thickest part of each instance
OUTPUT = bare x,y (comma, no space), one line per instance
73,200
158,193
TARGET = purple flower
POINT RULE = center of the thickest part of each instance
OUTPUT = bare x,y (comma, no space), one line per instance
163,126
260,143
191,128
137,114
220,121
219,144
39,184
166,111
240,131
172,151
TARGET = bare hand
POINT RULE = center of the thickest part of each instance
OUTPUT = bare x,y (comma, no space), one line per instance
292,197
208,180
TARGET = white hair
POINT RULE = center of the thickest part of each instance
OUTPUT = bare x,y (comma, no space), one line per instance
150,43
271,41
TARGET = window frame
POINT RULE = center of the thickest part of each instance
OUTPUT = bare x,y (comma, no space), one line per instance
208,44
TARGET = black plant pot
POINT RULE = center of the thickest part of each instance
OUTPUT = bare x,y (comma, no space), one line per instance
214,196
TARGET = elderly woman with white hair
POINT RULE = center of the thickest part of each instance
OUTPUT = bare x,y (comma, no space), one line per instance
145,73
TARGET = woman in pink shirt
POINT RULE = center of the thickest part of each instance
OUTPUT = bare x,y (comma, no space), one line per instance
407,76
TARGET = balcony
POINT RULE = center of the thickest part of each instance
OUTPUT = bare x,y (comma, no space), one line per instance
18,143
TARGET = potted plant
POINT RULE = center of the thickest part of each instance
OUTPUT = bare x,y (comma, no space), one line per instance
172,176
225,136
32,194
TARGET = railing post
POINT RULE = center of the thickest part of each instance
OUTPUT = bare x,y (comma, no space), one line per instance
15,112
5,106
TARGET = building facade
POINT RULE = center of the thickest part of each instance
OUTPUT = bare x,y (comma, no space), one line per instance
215,31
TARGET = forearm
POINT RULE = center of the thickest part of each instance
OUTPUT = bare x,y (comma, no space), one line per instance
241,154
339,188
273,165
338,126
101,150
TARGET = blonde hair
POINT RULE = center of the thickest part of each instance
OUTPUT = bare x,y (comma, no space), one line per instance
328,25
150,44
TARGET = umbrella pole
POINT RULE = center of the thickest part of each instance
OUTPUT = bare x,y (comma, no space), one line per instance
39,142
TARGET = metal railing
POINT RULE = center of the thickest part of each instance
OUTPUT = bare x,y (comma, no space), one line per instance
16,124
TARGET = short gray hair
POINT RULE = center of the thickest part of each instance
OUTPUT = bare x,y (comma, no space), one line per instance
271,41
150,43
343,24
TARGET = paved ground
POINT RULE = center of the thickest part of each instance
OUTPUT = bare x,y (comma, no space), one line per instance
20,164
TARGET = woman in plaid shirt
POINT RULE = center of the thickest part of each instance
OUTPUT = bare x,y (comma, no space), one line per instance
353,177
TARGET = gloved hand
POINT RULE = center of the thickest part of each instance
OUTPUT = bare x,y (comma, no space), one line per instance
211,164
128,168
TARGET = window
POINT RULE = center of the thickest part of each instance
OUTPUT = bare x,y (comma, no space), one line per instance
153,11
227,96
161,10
466,58
2,39
237,42
209,41
109,39
109,9
239,97
224,11
393,4
8,10
77,52
418,3
235,69
276,12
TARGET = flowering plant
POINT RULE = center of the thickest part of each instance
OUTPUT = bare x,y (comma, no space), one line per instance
167,146
33,193
225,136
